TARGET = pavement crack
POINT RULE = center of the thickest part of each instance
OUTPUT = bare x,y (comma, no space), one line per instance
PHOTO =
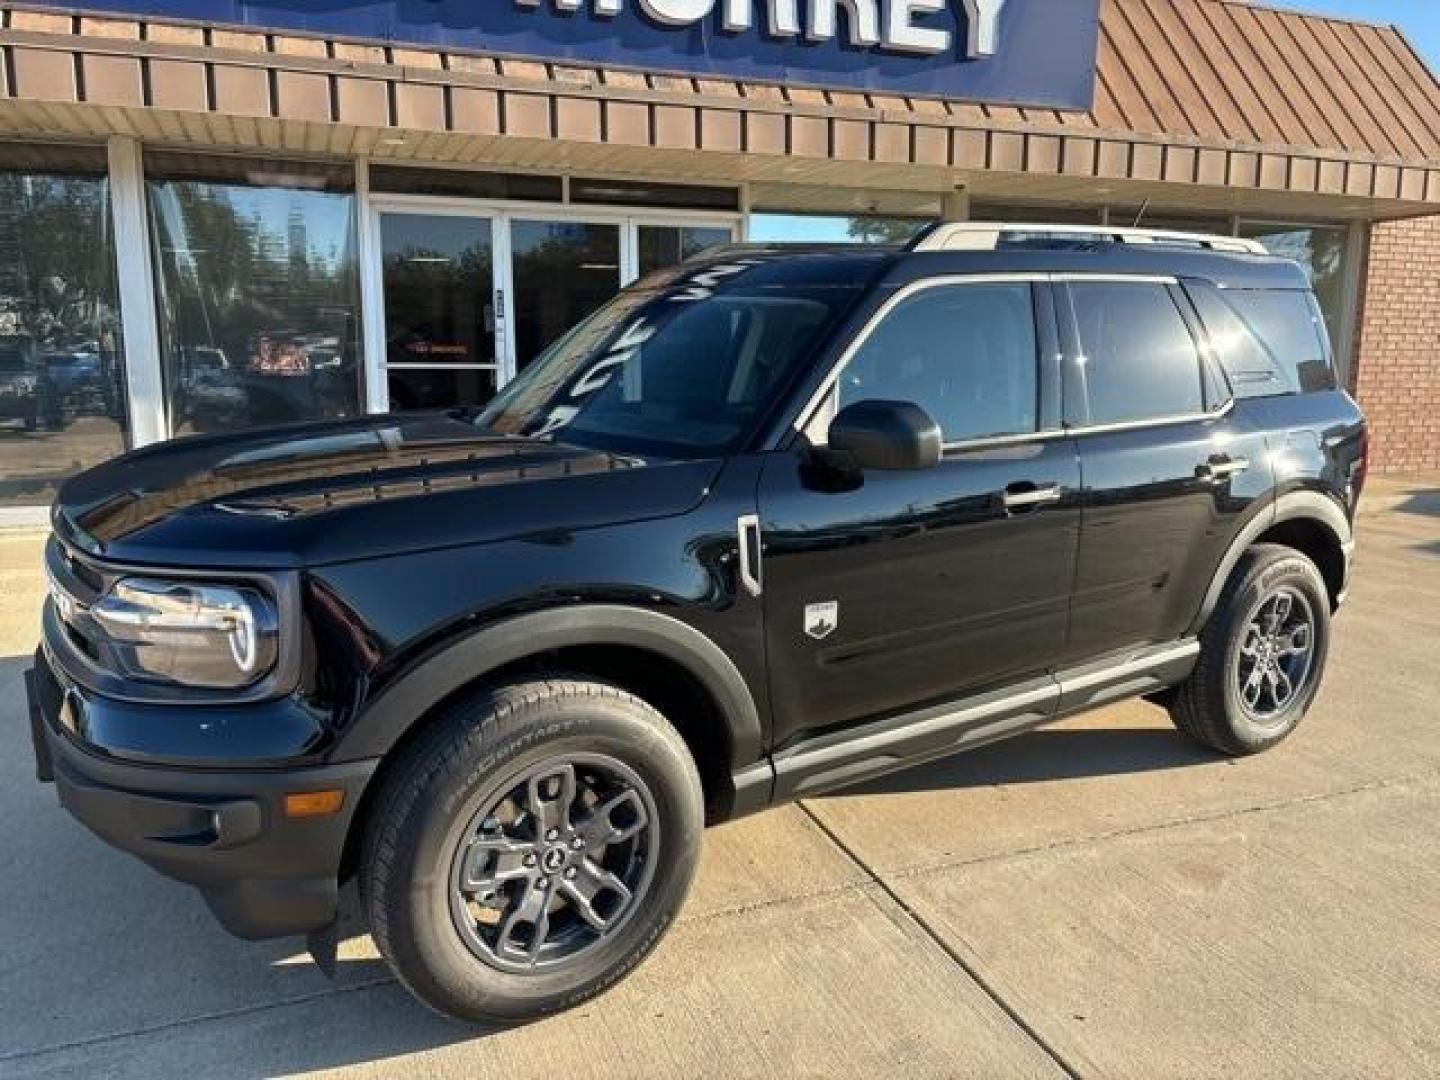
923,925
186,1021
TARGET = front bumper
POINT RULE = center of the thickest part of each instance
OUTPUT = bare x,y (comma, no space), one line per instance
262,874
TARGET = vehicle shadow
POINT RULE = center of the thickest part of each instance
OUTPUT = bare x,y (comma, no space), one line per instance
1047,754
103,954
1421,502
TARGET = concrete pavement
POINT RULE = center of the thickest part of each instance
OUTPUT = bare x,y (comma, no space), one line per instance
1097,899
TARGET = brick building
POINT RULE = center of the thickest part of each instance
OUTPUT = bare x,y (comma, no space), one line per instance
216,214
1397,373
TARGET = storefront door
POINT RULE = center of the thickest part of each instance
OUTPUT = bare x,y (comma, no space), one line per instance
470,296
441,317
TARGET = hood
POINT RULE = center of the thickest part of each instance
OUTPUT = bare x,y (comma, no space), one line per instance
318,493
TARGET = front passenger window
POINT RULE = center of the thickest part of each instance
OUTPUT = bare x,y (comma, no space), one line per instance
966,354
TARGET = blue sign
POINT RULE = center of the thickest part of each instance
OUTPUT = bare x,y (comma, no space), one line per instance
1021,52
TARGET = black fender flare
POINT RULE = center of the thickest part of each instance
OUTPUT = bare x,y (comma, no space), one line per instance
393,711
1291,506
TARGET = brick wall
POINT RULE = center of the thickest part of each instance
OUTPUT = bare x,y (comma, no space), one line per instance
1398,374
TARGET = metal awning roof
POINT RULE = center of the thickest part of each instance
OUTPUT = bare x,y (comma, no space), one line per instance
1213,103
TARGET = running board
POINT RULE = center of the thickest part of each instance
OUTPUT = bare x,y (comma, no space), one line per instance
838,759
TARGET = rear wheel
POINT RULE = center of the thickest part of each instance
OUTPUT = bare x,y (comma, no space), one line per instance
531,849
1262,655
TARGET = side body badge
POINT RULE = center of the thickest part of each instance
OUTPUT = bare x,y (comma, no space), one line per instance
821,620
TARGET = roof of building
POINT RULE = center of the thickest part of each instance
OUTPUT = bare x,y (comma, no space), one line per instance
1217,94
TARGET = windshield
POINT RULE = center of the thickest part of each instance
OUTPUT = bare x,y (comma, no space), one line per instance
673,368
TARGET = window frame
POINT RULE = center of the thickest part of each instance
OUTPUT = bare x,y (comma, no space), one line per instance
813,420
1216,396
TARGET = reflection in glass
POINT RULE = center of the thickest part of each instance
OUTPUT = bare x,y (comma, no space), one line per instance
1321,251
564,270
670,245
62,379
438,281
439,388
258,297
654,372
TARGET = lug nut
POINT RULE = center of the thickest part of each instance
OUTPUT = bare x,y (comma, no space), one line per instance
570,874
553,834
577,843
530,859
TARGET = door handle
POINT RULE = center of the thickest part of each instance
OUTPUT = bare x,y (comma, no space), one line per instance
1221,467
748,533
1026,496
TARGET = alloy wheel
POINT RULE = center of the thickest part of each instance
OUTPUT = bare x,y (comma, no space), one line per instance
553,862
1276,655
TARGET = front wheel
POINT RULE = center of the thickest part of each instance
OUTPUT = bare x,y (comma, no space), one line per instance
1262,655
531,848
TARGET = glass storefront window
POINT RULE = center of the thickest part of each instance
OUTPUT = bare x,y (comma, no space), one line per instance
258,293
62,371
825,229
563,271
669,245
1321,251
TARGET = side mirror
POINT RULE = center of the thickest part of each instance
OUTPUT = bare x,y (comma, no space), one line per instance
890,435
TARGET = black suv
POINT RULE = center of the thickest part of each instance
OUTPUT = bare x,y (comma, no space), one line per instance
772,522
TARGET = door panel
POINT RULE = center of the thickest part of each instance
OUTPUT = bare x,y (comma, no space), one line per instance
1157,520
939,590
1162,498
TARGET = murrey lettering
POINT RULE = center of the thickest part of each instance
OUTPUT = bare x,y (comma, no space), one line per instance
904,26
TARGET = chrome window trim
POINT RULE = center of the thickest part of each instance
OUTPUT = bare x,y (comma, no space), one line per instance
1154,421
807,415
1130,279
1000,441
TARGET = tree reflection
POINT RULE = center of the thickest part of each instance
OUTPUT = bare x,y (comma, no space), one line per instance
258,295
62,405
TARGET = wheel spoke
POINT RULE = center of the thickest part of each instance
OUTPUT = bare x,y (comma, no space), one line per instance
495,861
1296,641
615,820
549,798
1253,685
1280,609
1281,688
1251,645
523,931
598,896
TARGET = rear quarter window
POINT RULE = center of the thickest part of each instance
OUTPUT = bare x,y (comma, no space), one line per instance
1269,341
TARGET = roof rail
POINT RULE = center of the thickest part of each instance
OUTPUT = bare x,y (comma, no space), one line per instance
987,236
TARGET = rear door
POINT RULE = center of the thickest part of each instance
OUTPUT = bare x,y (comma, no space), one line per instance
889,590
1169,467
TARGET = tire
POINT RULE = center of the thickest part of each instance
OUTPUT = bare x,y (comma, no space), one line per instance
481,956
1213,706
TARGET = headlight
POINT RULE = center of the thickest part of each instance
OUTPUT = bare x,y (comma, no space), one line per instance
213,636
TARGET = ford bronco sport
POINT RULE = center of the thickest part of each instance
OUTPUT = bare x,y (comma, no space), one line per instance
774,521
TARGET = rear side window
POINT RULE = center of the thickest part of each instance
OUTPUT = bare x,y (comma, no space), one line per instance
1269,341
966,354
1140,359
